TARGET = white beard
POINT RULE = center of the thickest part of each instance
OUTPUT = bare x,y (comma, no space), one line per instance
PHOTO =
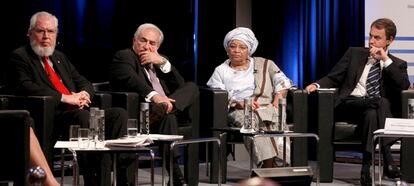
42,51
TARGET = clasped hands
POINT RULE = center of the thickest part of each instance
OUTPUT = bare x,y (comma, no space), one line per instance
80,99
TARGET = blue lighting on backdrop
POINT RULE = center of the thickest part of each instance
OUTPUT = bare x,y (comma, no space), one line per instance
80,16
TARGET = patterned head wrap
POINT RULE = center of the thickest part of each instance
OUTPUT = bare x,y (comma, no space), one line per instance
243,34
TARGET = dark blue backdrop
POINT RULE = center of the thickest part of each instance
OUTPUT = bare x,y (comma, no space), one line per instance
304,37
307,37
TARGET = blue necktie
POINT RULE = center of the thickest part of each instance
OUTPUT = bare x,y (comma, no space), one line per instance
373,80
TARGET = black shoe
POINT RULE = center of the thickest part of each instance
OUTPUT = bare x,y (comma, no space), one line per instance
178,179
178,183
158,111
122,176
365,175
392,171
126,159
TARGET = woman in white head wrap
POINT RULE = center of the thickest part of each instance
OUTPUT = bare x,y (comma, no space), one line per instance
244,76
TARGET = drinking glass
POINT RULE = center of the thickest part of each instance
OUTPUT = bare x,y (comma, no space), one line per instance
83,138
132,128
73,132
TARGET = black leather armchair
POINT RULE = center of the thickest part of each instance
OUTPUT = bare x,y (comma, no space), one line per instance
214,115
127,100
337,135
42,109
189,128
15,139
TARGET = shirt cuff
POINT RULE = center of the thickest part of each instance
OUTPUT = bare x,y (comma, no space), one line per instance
387,62
317,85
149,96
166,67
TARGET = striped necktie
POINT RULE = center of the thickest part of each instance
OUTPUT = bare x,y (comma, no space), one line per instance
373,80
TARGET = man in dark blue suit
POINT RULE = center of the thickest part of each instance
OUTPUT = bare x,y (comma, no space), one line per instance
40,70
143,70
367,98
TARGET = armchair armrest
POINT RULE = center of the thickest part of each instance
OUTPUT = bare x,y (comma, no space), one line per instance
214,109
405,95
15,140
42,109
298,101
407,144
325,127
127,100
102,100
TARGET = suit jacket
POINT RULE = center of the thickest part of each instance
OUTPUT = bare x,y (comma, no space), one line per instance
127,74
28,77
347,72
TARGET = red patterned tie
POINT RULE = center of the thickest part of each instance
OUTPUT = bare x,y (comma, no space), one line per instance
54,78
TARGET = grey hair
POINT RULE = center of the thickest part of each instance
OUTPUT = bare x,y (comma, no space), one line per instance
35,16
149,25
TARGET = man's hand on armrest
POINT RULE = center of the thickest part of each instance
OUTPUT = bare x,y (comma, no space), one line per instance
312,88
163,99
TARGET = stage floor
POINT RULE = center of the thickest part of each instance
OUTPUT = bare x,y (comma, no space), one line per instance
345,174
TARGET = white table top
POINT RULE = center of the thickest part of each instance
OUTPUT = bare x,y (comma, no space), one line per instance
121,144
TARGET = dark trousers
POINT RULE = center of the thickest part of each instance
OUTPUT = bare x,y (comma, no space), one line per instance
184,97
96,168
369,114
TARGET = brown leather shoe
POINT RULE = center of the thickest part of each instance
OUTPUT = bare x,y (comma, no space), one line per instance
158,112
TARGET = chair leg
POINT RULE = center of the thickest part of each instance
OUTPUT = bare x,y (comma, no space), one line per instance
233,150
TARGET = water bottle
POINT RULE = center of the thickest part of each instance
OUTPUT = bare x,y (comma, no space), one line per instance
282,114
93,126
410,109
144,118
100,129
248,124
36,176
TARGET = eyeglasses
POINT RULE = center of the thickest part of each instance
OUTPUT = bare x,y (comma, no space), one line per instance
44,31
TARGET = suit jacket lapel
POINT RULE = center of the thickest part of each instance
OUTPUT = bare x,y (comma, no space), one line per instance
61,71
41,70
361,65
140,69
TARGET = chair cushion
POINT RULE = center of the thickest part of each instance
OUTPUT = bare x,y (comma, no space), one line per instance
344,131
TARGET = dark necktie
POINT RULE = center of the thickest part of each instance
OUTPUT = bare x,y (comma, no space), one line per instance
373,80
54,78
156,85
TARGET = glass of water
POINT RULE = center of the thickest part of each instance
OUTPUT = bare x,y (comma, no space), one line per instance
83,138
132,128
73,132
